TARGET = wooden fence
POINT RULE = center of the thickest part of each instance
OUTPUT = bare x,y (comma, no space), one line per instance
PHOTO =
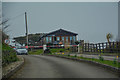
111,47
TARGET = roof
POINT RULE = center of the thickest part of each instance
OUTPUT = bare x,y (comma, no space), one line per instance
61,32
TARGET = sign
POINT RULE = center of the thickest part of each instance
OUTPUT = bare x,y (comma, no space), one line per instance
7,41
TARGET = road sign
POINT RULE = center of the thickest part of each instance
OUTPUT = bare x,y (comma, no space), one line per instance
7,41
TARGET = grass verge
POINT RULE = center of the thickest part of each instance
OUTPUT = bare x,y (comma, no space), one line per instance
36,52
107,62
8,55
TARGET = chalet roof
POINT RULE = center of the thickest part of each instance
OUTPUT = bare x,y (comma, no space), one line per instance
61,32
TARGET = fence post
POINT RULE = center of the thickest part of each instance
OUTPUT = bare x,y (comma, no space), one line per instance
117,47
88,47
110,47
99,48
106,47
93,47
103,47
96,48
85,47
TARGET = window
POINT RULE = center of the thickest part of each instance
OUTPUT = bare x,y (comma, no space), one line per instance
47,39
66,38
73,38
62,38
70,38
50,38
58,38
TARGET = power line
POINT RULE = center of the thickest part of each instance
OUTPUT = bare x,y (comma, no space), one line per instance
12,18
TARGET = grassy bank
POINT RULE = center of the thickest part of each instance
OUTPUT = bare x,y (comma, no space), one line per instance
40,51
8,55
36,52
107,62
57,50
109,54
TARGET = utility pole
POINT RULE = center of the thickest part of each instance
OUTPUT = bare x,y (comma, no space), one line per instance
26,28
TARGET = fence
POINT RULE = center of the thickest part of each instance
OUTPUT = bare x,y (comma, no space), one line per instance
111,47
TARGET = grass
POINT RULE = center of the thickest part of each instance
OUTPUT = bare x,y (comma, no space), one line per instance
107,62
6,47
8,55
36,52
40,51
115,54
0,46
57,50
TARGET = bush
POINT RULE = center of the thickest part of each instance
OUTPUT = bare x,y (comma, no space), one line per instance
8,55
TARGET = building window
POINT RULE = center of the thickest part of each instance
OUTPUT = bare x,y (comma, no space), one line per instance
50,38
73,38
66,38
58,38
47,39
62,38
70,38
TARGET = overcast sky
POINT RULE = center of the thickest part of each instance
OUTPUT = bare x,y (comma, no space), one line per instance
61,0
91,20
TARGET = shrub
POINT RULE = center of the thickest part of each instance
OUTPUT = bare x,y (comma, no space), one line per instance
8,55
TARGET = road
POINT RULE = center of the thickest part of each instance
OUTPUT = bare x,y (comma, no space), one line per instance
39,66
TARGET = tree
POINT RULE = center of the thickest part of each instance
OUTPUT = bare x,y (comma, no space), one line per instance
109,36
3,28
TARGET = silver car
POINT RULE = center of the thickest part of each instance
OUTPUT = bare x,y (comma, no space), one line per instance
21,51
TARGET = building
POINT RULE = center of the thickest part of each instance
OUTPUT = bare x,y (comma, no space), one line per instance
14,43
59,37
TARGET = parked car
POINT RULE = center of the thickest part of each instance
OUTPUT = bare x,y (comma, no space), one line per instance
21,51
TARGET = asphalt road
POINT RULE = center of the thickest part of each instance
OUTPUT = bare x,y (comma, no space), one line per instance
38,66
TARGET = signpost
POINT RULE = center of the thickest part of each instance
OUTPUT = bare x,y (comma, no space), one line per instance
7,41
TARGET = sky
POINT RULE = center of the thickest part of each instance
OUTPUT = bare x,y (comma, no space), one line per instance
61,0
91,20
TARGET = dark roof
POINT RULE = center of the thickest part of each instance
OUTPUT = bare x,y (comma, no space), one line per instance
61,32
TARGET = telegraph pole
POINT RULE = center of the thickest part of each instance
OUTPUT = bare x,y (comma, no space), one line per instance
26,28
